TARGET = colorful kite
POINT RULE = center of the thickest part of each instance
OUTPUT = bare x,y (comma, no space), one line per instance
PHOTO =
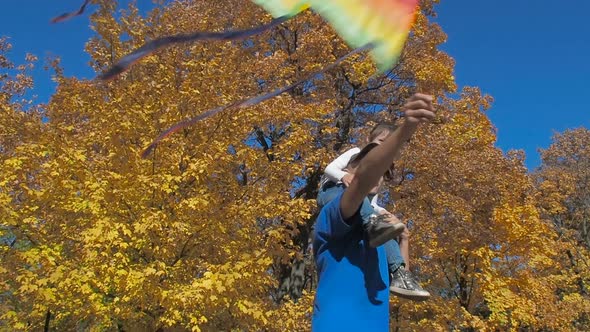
382,23
379,25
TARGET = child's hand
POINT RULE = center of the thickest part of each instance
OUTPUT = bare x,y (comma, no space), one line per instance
405,235
390,218
347,179
386,213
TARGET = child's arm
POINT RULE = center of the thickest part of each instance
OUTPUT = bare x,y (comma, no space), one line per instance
334,171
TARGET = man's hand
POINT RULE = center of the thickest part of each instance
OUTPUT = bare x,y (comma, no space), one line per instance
347,179
419,109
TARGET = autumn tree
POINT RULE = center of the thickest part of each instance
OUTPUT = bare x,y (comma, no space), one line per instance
202,234
478,240
563,181
188,238
211,232
20,123
564,177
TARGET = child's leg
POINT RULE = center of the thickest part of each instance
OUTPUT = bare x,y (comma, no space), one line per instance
379,229
403,282
367,211
404,246
394,255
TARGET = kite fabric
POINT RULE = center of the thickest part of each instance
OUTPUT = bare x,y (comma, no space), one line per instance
383,23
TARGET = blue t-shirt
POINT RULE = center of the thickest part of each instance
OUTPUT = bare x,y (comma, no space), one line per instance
352,292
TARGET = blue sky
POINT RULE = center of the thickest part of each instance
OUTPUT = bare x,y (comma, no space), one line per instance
532,56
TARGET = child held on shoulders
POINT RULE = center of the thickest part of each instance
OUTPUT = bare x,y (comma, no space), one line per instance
381,227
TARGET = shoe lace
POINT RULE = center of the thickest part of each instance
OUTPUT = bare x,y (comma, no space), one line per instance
407,275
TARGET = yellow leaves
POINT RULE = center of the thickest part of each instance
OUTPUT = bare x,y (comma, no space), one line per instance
194,237
562,182
207,284
292,316
15,163
250,308
9,315
48,295
362,69
140,228
28,288
468,133
463,188
197,203
152,271
56,275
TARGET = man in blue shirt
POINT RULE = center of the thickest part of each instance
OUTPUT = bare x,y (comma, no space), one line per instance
352,292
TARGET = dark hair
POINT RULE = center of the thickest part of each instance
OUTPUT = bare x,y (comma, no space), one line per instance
388,176
355,160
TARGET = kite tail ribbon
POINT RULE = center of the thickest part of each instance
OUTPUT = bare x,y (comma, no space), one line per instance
67,16
247,102
128,60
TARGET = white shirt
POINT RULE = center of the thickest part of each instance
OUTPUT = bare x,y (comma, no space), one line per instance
334,172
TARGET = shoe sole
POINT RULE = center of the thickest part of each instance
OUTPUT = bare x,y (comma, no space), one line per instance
409,294
391,233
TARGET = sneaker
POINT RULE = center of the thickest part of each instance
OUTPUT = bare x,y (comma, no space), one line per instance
404,285
379,231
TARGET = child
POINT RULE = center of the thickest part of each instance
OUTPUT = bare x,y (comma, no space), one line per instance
381,226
